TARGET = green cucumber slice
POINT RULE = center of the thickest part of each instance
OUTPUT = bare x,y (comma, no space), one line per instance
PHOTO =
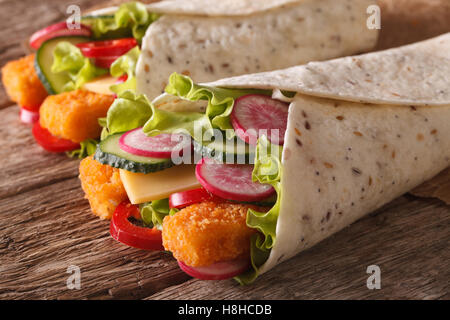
53,82
228,151
108,152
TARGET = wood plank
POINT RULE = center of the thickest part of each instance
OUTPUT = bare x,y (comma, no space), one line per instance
408,240
403,22
45,230
19,19
407,21
47,225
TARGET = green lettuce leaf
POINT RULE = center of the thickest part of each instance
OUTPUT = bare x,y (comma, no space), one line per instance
87,148
217,116
126,64
131,19
68,58
126,113
153,213
268,170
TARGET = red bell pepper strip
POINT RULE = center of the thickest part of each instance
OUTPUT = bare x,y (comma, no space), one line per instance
186,198
123,230
51,143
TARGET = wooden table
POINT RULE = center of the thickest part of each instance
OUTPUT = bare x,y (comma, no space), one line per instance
46,226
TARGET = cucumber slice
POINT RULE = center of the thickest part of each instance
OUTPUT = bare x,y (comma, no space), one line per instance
230,151
53,82
108,152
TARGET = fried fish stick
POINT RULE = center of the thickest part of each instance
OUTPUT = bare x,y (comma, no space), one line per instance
208,232
74,115
102,187
22,83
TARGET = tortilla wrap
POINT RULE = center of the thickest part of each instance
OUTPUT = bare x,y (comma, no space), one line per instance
351,145
233,37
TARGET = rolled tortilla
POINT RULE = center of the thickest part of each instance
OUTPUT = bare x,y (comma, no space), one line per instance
352,145
233,37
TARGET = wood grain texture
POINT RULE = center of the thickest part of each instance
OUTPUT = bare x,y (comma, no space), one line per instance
25,165
438,187
20,19
407,21
44,231
403,22
46,226
408,239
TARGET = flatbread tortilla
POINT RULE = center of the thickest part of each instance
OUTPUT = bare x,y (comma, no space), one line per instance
193,39
348,154
417,74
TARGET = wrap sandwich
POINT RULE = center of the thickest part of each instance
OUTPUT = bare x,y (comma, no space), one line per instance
136,46
323,145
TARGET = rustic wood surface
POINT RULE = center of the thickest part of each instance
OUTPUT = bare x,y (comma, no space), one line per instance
47,226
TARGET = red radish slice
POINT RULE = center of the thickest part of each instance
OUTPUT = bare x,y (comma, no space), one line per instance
28,117
255,112
107,48
217,271
160,146
231,181
57,30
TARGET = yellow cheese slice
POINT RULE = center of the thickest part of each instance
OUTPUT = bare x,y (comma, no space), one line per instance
100,85
142,187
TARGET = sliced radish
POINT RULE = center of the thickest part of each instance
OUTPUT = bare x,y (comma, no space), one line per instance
255,112
160,146
186,198
59,29
217,271
231,181
28,117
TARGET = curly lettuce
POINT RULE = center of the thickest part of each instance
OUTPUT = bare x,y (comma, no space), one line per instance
153,213
126,113
267,170
218,111
87,148
68,59
131,19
